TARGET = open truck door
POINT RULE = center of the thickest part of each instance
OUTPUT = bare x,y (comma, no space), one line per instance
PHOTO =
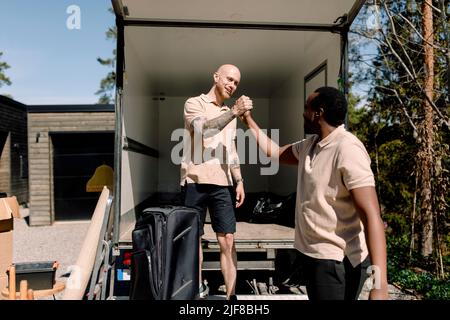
166,50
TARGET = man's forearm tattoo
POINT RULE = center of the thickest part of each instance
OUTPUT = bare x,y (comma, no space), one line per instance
213,126
234,163
235,166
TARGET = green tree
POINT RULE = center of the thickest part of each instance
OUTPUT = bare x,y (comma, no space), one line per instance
3,78
405,121
107,84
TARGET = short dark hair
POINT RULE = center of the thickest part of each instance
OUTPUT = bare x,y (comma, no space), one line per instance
333,103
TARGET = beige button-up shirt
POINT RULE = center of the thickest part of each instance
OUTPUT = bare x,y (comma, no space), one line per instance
207,160
327,223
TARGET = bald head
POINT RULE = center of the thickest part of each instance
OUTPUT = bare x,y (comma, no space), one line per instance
228,68
226,80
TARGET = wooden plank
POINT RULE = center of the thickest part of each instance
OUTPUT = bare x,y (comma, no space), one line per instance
40,212
39,199
253,231
39,156
47,117
39,161
41,205
86,258
39,194
43,178
242,265
58,287
38,187
39,167
82,124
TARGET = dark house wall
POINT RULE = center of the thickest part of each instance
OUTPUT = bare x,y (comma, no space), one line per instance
13,128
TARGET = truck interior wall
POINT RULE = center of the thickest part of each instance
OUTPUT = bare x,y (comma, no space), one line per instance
286,109
251,172
151,120
287,102
171,118
321,47
139,171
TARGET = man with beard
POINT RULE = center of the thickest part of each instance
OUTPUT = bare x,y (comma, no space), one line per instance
210,164
339,232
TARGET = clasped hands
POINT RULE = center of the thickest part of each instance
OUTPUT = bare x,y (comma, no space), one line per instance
242,108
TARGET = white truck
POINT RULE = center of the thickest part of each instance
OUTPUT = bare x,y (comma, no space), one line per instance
167,51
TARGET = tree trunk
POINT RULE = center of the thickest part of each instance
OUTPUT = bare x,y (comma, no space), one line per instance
413,217
426,148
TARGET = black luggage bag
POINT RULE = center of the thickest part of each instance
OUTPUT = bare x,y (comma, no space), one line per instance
165,260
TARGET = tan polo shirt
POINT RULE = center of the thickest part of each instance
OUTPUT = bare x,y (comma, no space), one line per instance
207,160
327,224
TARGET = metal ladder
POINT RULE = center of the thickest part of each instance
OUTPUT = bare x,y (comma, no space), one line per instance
102,265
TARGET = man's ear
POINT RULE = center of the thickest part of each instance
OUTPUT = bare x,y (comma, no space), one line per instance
216,77
320,112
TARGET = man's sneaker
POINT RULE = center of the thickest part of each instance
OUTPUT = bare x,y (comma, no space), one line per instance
204,290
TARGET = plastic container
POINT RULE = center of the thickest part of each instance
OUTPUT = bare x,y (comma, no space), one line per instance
39,275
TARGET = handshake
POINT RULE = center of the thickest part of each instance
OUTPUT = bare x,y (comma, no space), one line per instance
242,107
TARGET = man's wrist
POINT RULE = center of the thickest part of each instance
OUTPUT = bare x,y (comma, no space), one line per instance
245,118
234,111
239,180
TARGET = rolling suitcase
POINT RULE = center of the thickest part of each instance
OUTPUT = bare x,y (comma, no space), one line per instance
165,260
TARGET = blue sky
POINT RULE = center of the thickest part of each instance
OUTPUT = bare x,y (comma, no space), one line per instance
51,64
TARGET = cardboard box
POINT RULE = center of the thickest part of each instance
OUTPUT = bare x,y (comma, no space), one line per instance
9,209
6,256
3,283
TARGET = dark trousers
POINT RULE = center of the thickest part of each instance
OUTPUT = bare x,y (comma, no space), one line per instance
333,280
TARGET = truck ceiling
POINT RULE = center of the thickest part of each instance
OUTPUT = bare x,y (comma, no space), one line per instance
178,43
259,11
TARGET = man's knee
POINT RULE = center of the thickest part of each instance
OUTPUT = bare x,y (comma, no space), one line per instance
226,241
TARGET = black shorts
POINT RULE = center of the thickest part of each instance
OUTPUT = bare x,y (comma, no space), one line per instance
219,201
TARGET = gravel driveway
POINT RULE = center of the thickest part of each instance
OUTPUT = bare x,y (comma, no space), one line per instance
61,242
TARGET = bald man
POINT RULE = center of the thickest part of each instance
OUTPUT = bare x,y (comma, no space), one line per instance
210,171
